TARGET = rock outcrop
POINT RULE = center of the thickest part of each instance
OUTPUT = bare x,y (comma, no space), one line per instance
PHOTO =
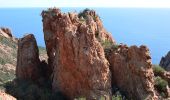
132,72
165,62
83,59
28,58
76,57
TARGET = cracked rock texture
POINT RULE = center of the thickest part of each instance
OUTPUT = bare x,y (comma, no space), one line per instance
76,56
28,58
132,72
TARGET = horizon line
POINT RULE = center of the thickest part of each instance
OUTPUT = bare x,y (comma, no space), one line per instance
86,3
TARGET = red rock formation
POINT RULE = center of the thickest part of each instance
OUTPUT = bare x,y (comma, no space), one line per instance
28,58
132,72
75,55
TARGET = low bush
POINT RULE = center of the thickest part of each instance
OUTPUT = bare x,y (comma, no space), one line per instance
160,84
2,61
106,44
83,13
157,70
117,97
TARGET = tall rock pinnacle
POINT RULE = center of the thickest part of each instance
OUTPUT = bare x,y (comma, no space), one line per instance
76,55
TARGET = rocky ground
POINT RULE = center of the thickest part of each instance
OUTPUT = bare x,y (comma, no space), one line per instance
84,62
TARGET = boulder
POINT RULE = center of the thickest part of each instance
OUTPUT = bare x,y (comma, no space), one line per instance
76,56
132,72
28,58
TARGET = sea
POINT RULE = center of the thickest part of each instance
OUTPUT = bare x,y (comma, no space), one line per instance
131,26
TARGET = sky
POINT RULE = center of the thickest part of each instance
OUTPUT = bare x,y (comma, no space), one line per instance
86,3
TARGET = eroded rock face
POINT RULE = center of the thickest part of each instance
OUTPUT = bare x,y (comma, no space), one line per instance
132,71
76,56
165,62
27,58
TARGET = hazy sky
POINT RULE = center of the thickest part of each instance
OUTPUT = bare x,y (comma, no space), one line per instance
86,3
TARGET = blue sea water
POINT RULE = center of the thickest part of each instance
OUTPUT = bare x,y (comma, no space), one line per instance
132,26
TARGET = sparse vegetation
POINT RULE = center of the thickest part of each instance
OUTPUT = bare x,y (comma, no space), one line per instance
41,49
158,69
7,59
8,42
82,20
83,13
160,84
106,44
27,90
6,76
2,61
8,55
117,97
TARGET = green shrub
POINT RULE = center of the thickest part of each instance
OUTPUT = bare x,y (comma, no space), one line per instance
106,44
117,97
114,47
160,84
95,18
158,69
6,76
2,61
83,13
80,98
82,20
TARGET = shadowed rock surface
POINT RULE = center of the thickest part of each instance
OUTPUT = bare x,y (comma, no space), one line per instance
131,70
76,57
28,58
165,62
